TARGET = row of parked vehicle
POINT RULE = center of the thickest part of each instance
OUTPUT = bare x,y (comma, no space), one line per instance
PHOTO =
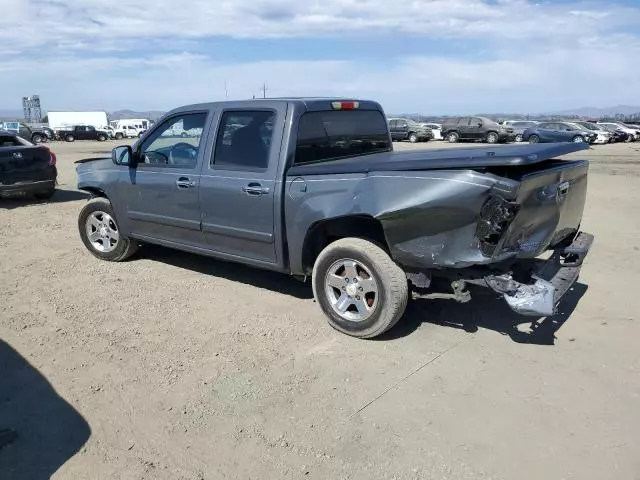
72,132
483,129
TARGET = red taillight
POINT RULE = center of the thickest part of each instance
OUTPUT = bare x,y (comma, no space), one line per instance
345,105
52,156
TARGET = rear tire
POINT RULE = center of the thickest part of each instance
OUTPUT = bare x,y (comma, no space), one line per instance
413,138
69,138
453,137
492,137
45,194
375,271
102,138
101,209
534,139
118,136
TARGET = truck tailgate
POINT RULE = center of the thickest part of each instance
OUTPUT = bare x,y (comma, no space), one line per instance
550,207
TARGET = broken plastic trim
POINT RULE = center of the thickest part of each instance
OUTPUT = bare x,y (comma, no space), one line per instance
495,217
550,282
537,299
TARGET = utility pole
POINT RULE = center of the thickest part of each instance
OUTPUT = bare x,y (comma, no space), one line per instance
264,90
226,92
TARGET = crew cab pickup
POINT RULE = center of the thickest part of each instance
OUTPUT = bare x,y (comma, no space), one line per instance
312,188
82,132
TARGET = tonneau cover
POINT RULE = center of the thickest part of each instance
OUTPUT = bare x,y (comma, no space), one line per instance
443,158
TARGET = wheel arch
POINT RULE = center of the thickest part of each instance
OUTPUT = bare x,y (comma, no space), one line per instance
324,232
94,191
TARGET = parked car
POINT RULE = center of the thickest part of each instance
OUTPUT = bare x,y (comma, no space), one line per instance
550,132
602,135
26,168
82,132
632,134
407,129
633,127
312,188
436,128
617,135
519,127
477,129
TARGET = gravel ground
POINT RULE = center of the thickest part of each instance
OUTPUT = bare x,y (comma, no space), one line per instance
173,366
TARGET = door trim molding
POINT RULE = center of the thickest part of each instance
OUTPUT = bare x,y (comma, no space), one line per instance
164,220
236,232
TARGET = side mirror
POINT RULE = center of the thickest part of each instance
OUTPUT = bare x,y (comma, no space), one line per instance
122,155
479,124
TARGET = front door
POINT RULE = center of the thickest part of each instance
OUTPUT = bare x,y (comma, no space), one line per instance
240,186
393,129
162,191
476,129
463,128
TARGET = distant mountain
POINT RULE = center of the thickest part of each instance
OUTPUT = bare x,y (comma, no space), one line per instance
123,114
6,115
600,112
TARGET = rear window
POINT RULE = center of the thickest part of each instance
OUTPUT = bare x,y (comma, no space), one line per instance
330,135
13,141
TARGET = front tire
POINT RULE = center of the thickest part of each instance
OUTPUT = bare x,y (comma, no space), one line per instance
102,138
534,139
519,138
37,138
69,138
453,137
118,136
578,139
100,232
360,289
413,138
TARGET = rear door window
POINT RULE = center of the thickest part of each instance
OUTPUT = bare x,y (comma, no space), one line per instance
244,140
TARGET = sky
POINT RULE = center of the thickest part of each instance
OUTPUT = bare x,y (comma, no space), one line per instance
418,56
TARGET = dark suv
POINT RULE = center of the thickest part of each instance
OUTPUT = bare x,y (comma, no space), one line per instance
407,129
477,129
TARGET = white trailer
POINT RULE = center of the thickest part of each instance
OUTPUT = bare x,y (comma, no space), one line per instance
59,120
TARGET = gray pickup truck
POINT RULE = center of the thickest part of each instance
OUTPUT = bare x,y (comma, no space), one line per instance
312,188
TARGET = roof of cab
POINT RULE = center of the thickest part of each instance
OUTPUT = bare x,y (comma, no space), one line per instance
308,103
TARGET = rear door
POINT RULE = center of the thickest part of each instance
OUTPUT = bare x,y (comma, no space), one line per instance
240,182
161,193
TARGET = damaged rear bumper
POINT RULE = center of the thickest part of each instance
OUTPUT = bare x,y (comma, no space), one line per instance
550,281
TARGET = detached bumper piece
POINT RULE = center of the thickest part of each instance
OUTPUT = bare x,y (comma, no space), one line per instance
550,282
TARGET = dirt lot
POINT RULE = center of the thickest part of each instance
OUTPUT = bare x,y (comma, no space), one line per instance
173,366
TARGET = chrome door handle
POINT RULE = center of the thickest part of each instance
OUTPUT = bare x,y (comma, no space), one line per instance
255,189
184,182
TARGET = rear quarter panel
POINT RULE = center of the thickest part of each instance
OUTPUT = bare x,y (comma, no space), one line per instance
428,217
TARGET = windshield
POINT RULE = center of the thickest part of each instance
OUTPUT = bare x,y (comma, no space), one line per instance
330,135
589,126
